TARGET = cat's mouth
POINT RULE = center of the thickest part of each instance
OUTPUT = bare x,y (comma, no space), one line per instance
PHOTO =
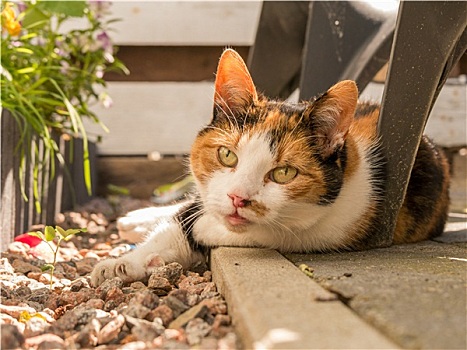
236,219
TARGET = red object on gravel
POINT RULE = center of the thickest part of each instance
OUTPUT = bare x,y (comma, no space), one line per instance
32,241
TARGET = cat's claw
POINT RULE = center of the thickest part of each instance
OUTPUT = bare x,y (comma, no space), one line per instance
103,270
127,270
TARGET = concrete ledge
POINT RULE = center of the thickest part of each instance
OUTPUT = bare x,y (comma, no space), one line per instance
276,306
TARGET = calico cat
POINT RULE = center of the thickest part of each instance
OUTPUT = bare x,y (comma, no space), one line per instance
294,177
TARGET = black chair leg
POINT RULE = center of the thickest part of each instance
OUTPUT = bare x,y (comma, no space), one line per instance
344,40
430,38
275,59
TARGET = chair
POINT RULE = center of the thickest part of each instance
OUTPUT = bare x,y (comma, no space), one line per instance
345,40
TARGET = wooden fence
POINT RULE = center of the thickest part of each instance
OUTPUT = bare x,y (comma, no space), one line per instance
58,193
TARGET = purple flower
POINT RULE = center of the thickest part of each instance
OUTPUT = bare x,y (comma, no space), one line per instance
65,66
105,41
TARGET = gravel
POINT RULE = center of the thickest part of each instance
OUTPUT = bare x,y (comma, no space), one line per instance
174,309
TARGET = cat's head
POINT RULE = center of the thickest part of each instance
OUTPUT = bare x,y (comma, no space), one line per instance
265,162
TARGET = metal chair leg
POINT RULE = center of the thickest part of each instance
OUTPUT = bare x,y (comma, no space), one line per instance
344,40
430,38
275,59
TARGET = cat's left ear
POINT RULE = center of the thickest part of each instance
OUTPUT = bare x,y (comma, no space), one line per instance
234,88
332,114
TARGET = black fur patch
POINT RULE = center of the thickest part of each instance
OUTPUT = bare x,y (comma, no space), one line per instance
333,169
364,109
187,218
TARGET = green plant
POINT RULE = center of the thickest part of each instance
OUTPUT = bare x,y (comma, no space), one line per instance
49,235
51,76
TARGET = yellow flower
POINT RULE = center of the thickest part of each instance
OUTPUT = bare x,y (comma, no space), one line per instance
9,21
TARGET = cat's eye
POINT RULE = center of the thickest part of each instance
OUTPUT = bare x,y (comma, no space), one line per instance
227,157
283,174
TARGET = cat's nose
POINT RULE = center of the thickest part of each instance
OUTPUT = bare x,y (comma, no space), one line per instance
238,201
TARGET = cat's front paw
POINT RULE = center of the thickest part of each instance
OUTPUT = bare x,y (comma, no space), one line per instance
127,270
103,270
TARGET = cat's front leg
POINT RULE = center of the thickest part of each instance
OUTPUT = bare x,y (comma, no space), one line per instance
167,243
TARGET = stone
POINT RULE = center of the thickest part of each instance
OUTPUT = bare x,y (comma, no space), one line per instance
177,306
11,337
137,285
47,341
35,326
16,310
5,267
87,337
136,310
195,330
146,298
160,285
76,298
115,293
143,329
111,330
171,272
85,266
72,319
102,290
163,312
24,267
95,303
78,284
215,305
199,310
196,284
19,248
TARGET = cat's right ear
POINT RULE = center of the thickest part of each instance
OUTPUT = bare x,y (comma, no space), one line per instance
234,88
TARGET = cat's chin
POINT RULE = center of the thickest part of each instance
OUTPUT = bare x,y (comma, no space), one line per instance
236,223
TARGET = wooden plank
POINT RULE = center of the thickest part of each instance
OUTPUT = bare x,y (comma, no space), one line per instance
10,196
146,117
170,63
183,22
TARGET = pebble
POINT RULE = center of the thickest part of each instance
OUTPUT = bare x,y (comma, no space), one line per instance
95,303
45,342
5,267
163,312
88,336
136,310
76,298
102,290
35,326
171,272
16,310
24,267
111,330
146,298
199,310
73,315
145,330
160,285
177,306
11,337
196,330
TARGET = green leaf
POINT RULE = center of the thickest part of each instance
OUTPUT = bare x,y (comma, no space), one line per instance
24,50
47,267
34,18
49,233
67,8
37,234
60,231
26,70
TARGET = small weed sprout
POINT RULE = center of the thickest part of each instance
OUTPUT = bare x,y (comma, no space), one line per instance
48,236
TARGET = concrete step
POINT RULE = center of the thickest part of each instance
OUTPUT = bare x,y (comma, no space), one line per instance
276,306
407,296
